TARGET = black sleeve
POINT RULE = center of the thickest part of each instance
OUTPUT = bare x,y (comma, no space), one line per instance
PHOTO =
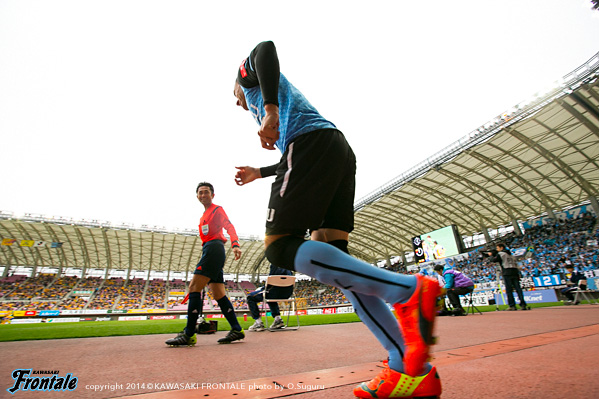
261,68
269,170
495,259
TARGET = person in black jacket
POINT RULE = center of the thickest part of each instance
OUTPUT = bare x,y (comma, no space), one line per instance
572,283
511,276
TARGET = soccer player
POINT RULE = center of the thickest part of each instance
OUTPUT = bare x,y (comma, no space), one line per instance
314,190
209,270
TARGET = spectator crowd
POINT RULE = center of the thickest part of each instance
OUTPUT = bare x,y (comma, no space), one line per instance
542,250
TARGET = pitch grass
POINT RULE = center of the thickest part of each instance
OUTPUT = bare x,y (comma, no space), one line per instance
24,332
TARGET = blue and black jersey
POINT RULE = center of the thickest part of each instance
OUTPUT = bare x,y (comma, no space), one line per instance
262,83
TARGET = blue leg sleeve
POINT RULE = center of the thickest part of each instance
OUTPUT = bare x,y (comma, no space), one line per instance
379,319
331,266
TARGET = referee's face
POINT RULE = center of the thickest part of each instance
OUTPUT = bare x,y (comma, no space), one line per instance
205,195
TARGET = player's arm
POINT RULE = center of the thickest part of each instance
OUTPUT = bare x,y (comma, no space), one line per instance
262,69
495,258
449,278
223,220
247,174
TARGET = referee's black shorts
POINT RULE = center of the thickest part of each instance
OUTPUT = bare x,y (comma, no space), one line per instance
314,186
212,262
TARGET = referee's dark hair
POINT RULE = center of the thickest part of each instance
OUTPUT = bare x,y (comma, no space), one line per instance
210,186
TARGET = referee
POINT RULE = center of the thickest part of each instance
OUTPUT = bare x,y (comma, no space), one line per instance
209,270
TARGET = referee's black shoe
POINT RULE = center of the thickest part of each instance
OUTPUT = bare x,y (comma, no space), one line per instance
182,339
233,335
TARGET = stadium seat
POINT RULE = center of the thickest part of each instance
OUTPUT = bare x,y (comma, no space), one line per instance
281,281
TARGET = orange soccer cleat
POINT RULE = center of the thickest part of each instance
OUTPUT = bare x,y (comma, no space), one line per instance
393,384
417,319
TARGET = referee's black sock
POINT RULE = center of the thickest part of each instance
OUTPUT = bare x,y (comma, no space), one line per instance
226,307
194,308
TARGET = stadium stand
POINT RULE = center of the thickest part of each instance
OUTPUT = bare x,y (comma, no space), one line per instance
547,249
155,295
541,250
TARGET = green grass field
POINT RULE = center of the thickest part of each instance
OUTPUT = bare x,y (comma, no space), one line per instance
23,332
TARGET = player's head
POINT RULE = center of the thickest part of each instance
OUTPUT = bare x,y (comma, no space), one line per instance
439,269
205,184
205,193
500,247
238,93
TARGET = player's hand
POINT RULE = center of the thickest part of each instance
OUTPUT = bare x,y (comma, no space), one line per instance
246,174
269,130
237,252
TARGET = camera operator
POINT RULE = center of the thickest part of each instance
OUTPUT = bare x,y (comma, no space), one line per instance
456,284
511,275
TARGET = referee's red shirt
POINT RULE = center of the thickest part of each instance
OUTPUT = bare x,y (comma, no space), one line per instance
212,223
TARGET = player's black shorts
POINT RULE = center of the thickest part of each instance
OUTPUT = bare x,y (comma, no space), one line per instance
212,262
315,185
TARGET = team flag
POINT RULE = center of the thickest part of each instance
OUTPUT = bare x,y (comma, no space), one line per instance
27,243
39,244
56,244
8,241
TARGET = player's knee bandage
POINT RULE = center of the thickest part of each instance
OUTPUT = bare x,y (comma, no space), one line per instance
282,252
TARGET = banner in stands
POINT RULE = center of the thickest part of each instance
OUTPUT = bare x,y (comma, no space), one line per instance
166,317
345,309
530,297
25,321
82,293
30,243
49,312
519,251
561,216
81,311
63,320
129,318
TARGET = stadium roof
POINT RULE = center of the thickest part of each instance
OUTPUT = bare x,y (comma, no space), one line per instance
541,155
60,242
